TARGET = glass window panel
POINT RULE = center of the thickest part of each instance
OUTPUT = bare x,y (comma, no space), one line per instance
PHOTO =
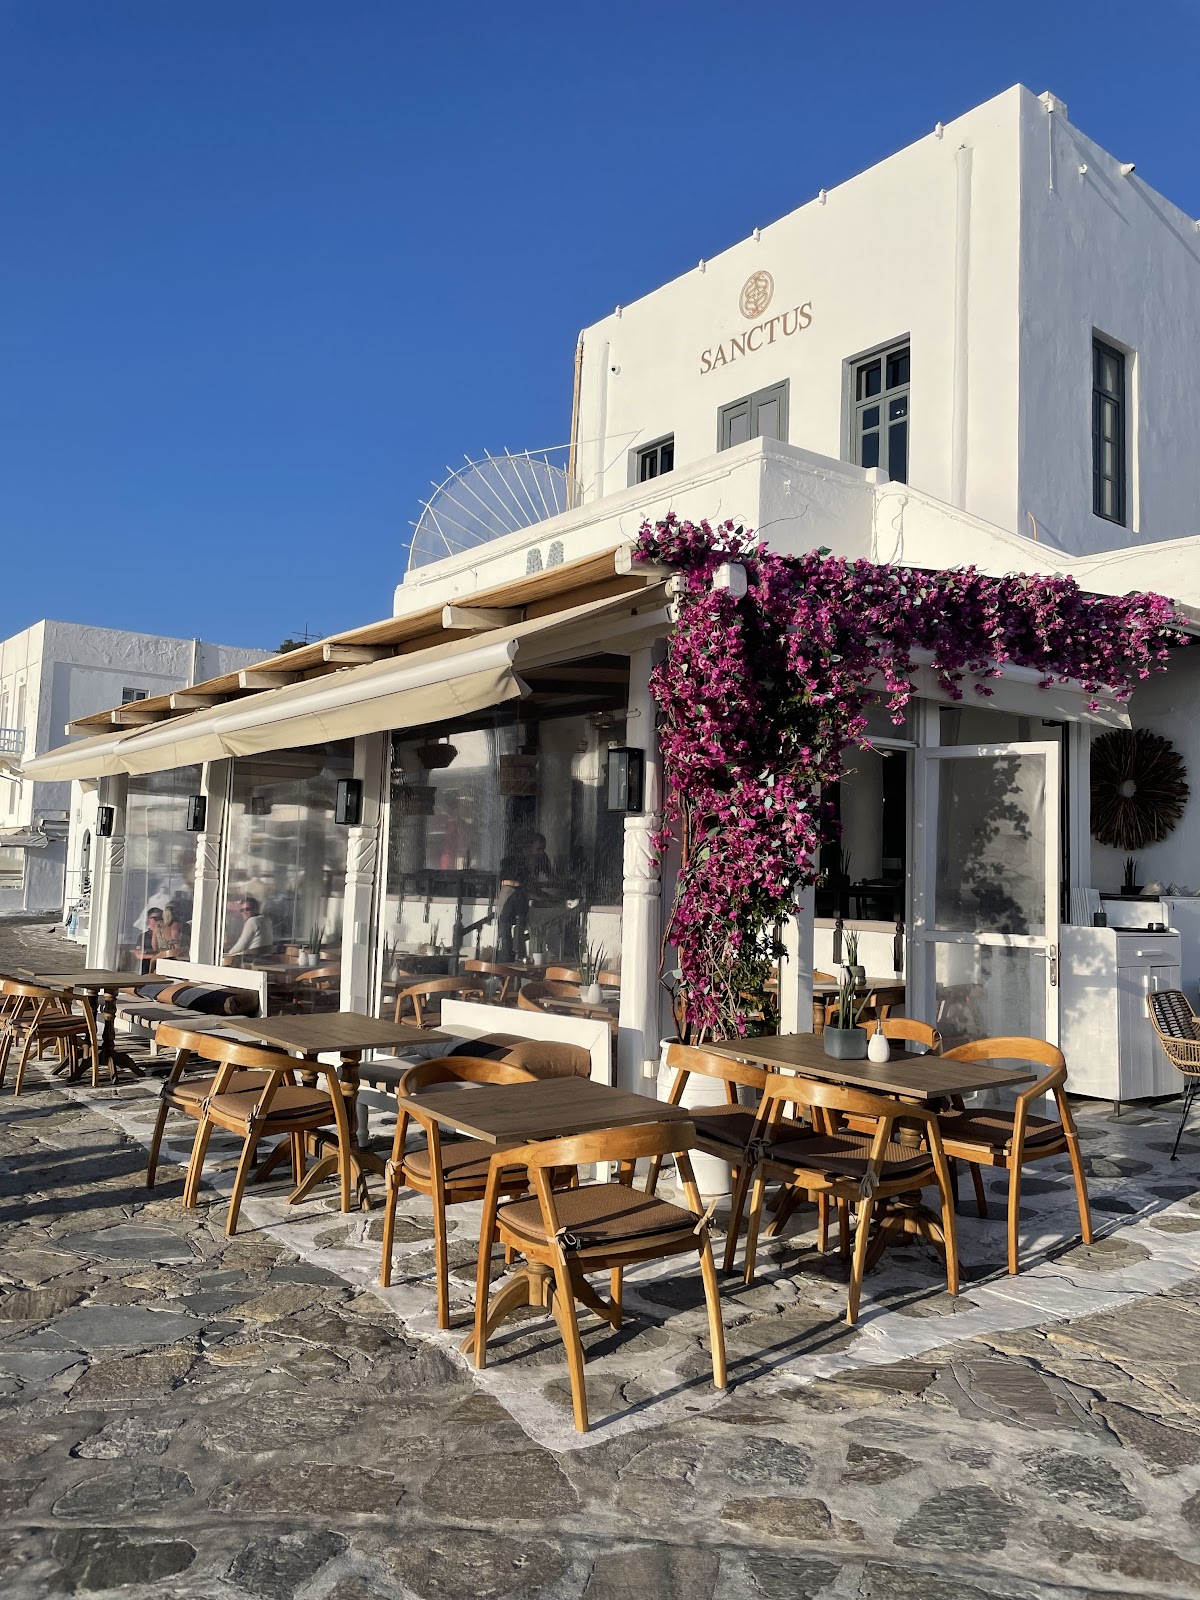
737,426
649,466
870,450
869,379
987,992
991,845
666,457
160,868
768,420
287,862
898,452
898,408
870,417
897,369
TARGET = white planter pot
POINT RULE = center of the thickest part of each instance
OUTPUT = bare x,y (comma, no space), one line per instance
713,1176
591,994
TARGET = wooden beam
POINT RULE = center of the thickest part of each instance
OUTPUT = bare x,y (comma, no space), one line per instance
354,655
257,678
131,716
629,565
476,619
189,700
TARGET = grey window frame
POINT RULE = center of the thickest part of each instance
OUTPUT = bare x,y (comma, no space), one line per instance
130,697
1110,404
638,454
856,408
751,404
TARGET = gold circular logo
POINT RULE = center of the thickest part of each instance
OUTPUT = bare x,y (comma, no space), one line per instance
756,294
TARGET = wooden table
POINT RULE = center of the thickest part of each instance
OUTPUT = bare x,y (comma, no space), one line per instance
928,1080
906,1076
98,987
521,1113
348,1033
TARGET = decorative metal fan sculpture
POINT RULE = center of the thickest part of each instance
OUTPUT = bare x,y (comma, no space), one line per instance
490,498
1139,788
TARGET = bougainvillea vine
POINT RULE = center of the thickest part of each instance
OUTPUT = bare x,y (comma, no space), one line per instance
759,696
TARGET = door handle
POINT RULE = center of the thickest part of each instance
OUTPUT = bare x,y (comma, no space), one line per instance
1053,966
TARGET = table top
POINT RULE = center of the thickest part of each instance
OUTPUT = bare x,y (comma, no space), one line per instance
912,1077
547,1108
830,986
347,1031
89,978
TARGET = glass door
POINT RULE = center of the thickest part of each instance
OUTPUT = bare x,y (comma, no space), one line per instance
986,890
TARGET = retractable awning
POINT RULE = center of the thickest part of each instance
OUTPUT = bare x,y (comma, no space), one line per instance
22,839
436,684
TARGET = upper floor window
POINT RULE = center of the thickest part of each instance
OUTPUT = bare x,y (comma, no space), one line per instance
1108,432
128,696
756,416
652,460
879,419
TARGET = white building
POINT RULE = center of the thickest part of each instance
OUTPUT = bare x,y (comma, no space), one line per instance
50,675
981,350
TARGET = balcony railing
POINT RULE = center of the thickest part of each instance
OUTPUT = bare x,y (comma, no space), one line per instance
12,741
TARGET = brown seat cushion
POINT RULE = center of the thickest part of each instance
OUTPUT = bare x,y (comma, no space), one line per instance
727,1125
290,1102
994,1129
463,1161
598,1213
846,1155
548,1058
195,1089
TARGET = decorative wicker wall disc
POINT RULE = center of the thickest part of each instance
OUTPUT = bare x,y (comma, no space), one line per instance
1139,788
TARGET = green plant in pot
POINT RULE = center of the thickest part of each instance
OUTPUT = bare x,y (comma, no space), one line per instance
851,963
591,965
847,1041
1130,884
316,938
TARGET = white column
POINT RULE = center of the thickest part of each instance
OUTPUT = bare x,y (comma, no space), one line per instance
640,1021
364,870
108,881
796,971
208,895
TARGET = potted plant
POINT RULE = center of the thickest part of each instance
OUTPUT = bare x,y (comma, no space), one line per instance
847,1041
591,965
851,964
1131,885
316,938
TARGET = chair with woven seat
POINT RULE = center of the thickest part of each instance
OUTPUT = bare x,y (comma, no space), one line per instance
40,1017
993,1137
872,1171
1178,1030
448,1171
425,998
565,1234
275,1104
724,1131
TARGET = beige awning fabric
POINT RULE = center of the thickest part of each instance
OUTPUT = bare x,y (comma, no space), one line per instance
437,684
86,758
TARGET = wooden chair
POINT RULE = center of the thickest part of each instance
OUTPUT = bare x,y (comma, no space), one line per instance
188,1085
569,975
1178,1030
550,1058
426,998
727,1131
991,1137
306,993
450,1171
276,1105
42,1017
492,969
872,1171
565,1234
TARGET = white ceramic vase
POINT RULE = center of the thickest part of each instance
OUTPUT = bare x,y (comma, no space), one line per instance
878,1048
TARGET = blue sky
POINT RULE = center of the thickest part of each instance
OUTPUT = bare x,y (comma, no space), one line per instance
268,267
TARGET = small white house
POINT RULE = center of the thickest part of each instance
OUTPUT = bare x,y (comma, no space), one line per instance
51,674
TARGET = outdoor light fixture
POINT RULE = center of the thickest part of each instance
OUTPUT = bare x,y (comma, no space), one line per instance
105,817
196,812
348,809
626,772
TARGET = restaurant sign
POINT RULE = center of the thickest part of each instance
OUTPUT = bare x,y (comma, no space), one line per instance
757,293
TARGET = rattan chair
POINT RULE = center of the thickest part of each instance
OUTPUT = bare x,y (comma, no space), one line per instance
991,1137
1178,1030
567,1234
450,1171
275,1105
873,1171
40,1017
425,998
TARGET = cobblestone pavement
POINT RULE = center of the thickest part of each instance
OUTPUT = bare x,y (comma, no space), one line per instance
185,1415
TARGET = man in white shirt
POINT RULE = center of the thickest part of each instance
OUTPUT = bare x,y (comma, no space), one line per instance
257,933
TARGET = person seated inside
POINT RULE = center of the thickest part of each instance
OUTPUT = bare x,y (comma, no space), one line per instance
170,934
257,934
151,939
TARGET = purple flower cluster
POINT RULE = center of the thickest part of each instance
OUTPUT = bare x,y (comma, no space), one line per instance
759,697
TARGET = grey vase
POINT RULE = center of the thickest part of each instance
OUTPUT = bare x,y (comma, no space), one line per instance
845,1044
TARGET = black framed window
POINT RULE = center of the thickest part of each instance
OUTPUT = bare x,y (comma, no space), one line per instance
652,460
879,411
1108,432
763,415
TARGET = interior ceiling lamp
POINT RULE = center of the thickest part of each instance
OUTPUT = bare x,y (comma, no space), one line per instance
1139,788
626,774
439,753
